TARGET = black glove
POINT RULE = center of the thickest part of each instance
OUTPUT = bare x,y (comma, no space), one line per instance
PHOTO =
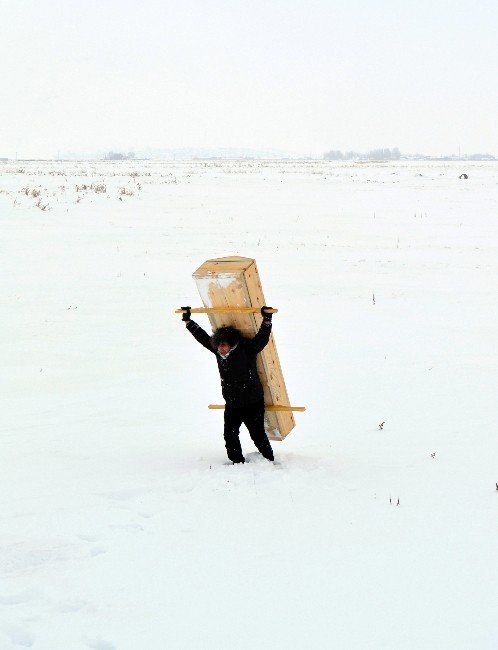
266,315
186,314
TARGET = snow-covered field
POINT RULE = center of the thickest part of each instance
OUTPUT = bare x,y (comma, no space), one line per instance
121,527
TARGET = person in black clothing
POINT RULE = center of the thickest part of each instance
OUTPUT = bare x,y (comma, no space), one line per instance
240,383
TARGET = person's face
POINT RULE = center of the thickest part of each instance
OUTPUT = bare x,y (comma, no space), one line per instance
224,348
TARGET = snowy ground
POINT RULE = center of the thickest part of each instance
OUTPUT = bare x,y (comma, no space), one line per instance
122,529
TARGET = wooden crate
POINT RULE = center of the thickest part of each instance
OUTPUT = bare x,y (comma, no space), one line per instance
234,282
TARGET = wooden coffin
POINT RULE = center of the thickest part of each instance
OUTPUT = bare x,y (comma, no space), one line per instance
234,282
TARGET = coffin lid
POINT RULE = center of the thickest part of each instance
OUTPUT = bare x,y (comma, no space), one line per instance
224,264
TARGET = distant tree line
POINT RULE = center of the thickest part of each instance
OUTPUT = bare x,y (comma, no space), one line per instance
480,156
395,154
375,154
112,155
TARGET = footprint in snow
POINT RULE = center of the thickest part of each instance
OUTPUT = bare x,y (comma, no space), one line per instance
88,538
70,606
124,495
130,527
19,635
97,643
19,598
145,515
98,550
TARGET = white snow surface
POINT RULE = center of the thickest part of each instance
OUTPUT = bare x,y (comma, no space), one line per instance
122,526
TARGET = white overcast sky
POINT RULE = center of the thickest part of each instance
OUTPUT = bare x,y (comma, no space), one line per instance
298,76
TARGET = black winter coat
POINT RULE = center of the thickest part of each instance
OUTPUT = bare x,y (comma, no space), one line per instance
240,383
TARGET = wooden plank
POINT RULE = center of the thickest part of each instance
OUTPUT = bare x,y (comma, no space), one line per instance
270,407
234,282
225,310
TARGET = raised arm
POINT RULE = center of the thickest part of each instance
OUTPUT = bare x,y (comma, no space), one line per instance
263,336
200,335
196,330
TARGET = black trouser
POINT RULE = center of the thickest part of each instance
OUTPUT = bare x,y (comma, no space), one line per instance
253,417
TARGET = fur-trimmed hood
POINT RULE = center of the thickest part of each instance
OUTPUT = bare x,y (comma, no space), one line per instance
230,335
